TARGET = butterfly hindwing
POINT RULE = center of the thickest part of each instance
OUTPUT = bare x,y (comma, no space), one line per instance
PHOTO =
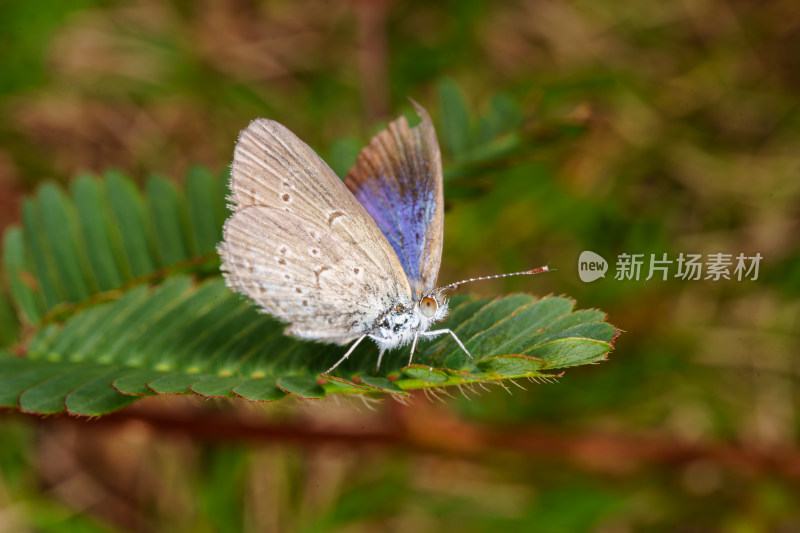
299,272
398,180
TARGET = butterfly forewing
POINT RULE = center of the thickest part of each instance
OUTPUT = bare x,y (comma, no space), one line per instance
272,167
299,243
398,180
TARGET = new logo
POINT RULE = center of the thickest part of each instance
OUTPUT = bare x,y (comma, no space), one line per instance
591,266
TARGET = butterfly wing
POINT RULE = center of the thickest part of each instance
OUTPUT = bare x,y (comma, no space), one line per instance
298,271
398,180
282,192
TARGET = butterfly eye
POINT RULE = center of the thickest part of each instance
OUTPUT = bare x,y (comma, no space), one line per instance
428,307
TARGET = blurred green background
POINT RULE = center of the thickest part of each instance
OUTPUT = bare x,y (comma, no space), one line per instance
647,127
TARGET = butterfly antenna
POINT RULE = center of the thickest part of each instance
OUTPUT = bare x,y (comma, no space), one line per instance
457,284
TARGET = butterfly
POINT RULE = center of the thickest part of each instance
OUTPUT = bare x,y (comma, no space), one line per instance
340,261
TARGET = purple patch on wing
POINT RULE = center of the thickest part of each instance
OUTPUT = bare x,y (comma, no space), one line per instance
405,220
398,180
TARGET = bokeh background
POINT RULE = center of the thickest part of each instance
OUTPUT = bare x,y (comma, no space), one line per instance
646,127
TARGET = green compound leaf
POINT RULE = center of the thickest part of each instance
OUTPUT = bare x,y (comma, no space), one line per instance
382,384
134,382
258,390
427,374
455,119
512,365
303,387
121,295
96,397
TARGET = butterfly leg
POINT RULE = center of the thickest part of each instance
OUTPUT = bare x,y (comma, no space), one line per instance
380,356
413,347
340,361
450,331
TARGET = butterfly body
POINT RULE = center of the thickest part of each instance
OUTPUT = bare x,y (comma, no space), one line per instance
339,260
398,326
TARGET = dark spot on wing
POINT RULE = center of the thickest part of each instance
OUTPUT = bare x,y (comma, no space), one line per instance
285,197
333,216
319,271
